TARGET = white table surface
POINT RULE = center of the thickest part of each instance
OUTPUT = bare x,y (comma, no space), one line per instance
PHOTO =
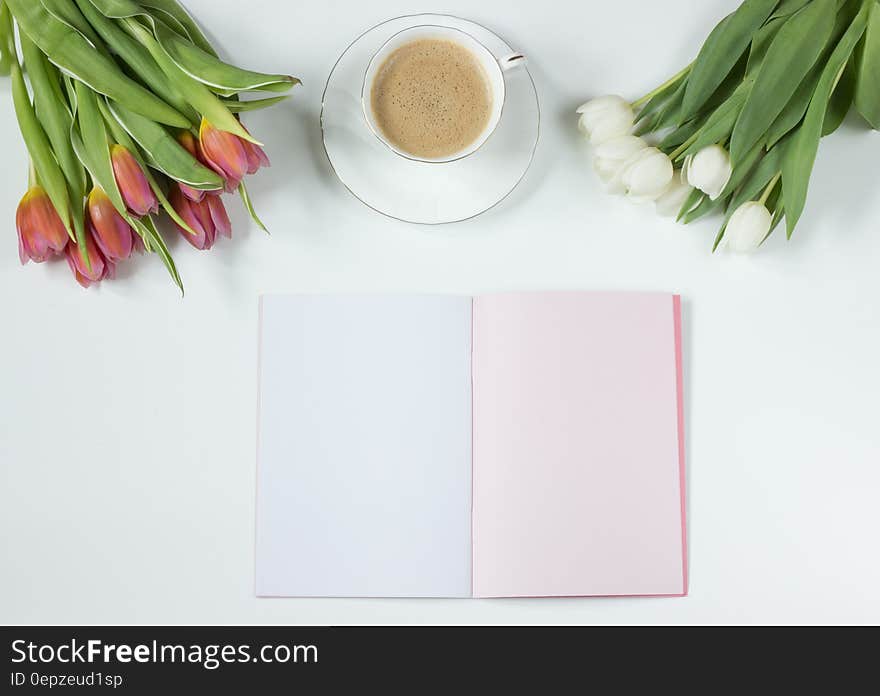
127,415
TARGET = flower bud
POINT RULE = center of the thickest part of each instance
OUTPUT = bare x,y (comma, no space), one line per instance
112,233
645,175
748,227
101,268
709,170
132,182
207,218
256,156
41,232
669,204
224,153
186,139
605,117
608,159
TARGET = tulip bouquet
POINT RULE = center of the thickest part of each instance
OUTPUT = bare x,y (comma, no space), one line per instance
737,130
129,111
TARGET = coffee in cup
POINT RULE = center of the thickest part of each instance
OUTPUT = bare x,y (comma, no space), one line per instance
434,94
431,98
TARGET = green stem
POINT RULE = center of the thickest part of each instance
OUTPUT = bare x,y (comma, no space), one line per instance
5,35
767,191
644,100
684,146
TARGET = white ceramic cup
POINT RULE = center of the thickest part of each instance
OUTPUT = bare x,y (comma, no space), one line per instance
493,69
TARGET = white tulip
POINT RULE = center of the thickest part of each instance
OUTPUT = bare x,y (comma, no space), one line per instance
605,117
709,170
609,157
669,204
646,174
747,227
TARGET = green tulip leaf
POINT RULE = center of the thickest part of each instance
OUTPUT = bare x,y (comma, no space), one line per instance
774,205
668,116
70,51
800,156
67,12
137,58
720,123
741,171
680,135
788,7
163,152
53,114
197,94
47,168
867,99
153,241
155,11
174,9
667,113
663,93
756,180
214,73
841,99
248,203
93,146
6,40
694,198
731,84
793,51
761,43
722,50
719,237
238,107
778,214
794,110
704,207
173,24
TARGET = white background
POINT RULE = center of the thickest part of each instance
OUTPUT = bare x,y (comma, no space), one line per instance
127,415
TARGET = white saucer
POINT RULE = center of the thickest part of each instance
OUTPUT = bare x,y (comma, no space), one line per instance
420,192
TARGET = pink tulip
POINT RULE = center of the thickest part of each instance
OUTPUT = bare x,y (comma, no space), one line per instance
219,216
207,218
101,267
256,156
225,153
41,232
186,139
132,182
112,233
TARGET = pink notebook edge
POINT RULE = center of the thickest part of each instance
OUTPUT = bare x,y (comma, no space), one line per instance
682,478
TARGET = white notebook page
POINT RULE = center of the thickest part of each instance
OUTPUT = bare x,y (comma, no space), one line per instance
364,472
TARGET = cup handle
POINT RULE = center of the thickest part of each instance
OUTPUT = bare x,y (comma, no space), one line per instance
511,61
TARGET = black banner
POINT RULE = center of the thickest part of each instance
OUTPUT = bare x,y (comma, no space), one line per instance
244,660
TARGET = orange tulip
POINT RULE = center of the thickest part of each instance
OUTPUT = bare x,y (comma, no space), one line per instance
225,153
101,267
112,233
41,232
207,218
132,182
186,139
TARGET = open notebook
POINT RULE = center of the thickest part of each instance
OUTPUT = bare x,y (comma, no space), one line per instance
522,444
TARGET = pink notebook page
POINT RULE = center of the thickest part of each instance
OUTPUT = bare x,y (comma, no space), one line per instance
578,470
